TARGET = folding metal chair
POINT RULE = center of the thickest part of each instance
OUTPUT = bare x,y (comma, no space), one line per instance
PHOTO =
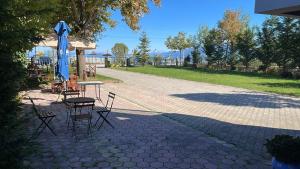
104,111
45,117
87,115
71,93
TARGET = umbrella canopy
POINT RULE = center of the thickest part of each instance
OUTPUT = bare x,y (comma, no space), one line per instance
74,42
62,68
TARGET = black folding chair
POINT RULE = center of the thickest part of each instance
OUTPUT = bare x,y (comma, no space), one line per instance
45,117
104,111
75,117
71,93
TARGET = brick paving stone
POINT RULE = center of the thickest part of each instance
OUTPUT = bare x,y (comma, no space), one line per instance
241,117
141,139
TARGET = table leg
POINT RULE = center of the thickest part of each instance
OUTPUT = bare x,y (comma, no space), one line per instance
96,91
99,91
83,88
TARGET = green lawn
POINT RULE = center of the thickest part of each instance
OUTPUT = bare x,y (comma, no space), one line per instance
105,79
253,81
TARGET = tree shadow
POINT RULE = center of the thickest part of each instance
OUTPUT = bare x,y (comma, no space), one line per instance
243,99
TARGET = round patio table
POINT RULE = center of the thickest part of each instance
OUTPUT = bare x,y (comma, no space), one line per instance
80,100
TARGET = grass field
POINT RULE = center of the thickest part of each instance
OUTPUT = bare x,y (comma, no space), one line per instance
253,81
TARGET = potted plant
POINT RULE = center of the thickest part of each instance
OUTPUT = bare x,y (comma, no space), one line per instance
285,151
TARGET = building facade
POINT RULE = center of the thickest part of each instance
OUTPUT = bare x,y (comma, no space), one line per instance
278,7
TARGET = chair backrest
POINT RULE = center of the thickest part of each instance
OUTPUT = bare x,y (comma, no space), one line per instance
110,101
34,107
72,83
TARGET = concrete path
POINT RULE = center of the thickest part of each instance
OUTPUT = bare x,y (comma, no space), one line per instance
141,140
238,116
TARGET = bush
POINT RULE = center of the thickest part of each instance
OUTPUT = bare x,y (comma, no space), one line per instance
286,74
284,148
16,36
296,74
273,70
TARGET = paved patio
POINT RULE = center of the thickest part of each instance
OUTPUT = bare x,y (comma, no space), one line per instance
141,139
237,116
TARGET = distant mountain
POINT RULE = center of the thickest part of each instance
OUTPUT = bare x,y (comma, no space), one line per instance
175,54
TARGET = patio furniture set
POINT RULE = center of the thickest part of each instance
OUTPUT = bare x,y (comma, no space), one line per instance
79,109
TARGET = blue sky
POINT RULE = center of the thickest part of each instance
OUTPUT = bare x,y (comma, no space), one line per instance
174,16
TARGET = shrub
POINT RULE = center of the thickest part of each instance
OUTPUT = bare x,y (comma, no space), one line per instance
286,74
296,74
284,148
274,70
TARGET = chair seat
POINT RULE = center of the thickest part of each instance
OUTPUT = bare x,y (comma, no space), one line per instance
81,117
102,109
46,114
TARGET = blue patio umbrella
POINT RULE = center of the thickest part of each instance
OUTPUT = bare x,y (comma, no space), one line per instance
62,68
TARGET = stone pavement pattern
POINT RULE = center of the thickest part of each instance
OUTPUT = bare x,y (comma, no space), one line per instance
238,116
141,139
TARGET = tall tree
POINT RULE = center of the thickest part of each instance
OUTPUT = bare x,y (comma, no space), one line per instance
135,56
196,57
179,42
214,47
88,18
267,42
198,39
22,24
297,47
120,50
231,25
144,48
197,44
171,44
287,33
246,46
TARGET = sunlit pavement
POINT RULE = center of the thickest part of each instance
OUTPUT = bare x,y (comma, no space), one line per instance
237,116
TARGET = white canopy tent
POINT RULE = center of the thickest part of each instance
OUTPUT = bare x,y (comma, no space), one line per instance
74,43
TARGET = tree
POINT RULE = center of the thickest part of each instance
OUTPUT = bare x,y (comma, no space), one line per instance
144,48
214,47
197,44
171,44
134,56
187,61
297,47
157,59
120,50
246,46
179,42
231,25
88,18
267,42
196,57
22,24
287,33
